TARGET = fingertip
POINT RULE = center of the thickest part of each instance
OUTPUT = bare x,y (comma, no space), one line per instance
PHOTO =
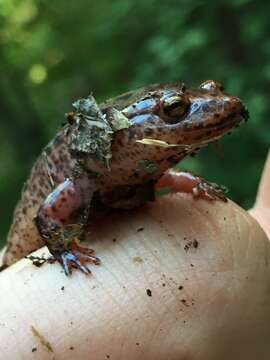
263,195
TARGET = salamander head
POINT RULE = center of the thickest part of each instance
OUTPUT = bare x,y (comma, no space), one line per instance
180,115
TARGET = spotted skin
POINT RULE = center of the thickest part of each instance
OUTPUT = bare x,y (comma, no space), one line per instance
60,196
51,168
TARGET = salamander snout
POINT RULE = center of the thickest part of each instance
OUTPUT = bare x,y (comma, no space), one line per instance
245,113
237,108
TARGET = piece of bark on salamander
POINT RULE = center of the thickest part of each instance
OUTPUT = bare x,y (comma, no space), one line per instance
118,155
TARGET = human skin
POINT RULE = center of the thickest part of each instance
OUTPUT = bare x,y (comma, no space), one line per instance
261,209
179,279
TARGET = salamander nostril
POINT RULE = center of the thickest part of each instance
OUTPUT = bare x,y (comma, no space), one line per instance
245,113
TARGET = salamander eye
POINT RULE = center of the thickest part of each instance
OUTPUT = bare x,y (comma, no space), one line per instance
175,106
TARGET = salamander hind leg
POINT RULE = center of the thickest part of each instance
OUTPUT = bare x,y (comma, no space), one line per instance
184,181
61,223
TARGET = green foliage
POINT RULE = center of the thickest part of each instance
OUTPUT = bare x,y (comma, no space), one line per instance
52,53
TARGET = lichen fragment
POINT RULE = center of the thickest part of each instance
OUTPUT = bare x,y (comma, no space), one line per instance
118,120
91,133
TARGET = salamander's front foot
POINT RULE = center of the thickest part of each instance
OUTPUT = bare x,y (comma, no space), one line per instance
187,182
74,257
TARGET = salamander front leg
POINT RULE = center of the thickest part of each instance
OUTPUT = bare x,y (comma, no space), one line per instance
184,181
74,256
61,223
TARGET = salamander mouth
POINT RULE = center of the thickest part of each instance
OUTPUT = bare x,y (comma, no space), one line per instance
229,123
232,120
204,134
218,124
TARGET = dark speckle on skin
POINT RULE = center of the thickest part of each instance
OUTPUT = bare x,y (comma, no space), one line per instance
54,209
148,292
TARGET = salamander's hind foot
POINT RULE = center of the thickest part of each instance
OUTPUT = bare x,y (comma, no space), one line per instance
209,191
74,257
185,181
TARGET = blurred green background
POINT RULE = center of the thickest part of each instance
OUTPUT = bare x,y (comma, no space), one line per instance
52,53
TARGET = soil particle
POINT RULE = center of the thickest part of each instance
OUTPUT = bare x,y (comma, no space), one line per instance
195,243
